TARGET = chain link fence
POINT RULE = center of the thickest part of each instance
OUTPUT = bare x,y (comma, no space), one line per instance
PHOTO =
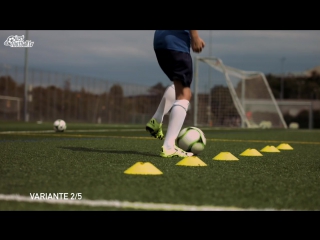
79,99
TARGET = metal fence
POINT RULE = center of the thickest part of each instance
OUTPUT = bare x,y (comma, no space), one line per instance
51,95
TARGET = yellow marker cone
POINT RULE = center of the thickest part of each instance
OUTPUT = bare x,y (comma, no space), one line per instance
192,161
284,146
251,152
143,168
227,156
269,149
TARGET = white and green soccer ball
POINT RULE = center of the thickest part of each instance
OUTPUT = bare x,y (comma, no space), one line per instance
192,139
59,125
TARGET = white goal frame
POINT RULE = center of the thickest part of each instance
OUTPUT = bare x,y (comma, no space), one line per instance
227,71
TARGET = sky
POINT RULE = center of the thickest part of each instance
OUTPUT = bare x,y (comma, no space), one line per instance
127,55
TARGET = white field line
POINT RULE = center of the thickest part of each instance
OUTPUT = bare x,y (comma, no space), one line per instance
98,130
124,204
92,130
138,130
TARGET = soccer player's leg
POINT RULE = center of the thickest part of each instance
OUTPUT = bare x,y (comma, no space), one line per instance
176,120
154,126
181,72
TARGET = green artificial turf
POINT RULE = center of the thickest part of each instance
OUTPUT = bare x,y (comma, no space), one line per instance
91,159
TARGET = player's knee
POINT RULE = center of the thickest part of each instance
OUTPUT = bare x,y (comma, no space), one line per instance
182,103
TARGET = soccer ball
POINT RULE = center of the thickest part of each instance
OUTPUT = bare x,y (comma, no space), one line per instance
59,125
191,139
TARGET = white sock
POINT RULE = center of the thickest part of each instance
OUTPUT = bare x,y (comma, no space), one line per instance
176,120
166,103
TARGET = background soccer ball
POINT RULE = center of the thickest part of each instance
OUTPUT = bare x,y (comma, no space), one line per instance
191,139
59,125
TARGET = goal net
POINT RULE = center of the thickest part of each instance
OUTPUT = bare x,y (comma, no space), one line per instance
236,98
10,108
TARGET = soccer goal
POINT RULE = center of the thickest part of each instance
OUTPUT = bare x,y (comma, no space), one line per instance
236,98
10,107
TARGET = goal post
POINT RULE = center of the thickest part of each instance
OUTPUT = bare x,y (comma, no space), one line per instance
10,107
241,99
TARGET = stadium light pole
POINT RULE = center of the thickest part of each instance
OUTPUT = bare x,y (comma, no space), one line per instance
282,74
209,80
26,117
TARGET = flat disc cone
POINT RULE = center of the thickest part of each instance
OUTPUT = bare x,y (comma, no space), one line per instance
269,149
191,161
284,146
251,152
225,156
143,168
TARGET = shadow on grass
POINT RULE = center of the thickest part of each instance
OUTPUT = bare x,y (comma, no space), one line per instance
84,149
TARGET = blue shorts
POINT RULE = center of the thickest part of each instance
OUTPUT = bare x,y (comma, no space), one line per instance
176,65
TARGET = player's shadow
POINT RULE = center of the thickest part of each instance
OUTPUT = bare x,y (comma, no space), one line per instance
84,149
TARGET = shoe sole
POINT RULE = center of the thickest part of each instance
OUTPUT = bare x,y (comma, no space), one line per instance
153,133
172,156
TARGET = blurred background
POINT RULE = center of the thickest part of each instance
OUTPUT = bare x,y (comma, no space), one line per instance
254,78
